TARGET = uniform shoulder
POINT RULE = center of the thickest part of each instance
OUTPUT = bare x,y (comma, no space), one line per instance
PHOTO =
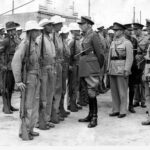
127,41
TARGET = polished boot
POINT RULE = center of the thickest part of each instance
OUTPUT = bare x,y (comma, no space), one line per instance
89,117
93,122
145,123
6,108
13,108
55,117
143,105
131,109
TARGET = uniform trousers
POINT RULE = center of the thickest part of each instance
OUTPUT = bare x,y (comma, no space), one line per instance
119,88
58,89
32,101
47,89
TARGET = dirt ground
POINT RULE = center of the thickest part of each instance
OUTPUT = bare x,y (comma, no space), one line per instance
111,131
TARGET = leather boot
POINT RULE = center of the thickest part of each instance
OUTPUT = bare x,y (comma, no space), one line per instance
6,108
54,117
89,117
131,109
93,121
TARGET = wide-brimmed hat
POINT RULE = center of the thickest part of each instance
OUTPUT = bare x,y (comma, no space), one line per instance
85,19
11,25
118,26
1,27
57,19
74,27
19,28
64,29
44,22
137,26
32,25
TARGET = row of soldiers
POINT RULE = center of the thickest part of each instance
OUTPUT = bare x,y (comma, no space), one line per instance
41,63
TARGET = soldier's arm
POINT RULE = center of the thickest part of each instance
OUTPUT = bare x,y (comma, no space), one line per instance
17,61
98,49
129,56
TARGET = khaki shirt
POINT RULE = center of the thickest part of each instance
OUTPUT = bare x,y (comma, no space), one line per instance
48,49
19,57
124,49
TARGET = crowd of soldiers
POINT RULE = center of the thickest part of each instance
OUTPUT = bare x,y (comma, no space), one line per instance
48,61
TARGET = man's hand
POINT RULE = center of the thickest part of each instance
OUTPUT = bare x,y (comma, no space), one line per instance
126,73
21,86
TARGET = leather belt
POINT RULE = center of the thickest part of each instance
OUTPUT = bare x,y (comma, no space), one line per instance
118,58
147,61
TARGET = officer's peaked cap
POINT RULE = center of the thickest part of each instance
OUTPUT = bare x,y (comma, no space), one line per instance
86,19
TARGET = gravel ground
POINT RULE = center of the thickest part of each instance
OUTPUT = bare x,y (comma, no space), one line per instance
111,131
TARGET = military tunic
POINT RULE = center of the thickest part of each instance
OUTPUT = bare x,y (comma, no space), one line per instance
48,74
91,61
120,60
33,84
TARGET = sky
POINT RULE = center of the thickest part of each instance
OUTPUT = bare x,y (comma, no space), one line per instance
103,12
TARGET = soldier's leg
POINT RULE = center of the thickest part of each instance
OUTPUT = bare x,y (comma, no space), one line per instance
73,94
50,90
6,104
57,95
131,96
137,95
63,112
10,86
147,96
115,95
32,101
143,100
43,99
92,86
123,88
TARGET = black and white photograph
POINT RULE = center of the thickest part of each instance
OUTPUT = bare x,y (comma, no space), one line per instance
74,73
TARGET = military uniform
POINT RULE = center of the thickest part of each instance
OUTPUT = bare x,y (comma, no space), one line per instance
33,80
120,60
142,49
10,43
89,68
48,74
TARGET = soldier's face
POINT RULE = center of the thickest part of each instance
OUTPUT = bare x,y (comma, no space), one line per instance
118,33
127,32
49,28
58,27
137,32
83,27
35,33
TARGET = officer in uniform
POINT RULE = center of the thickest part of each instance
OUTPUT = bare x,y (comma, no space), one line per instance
10,43
31,106
48,73
142,49
91,60
119,68
57,24
133,79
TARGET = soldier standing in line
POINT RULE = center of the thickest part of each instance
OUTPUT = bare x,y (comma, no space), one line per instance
73,81
57,24
27,52
141,52
2,48
10,43
65,67
133,78
119,68
91,61
48,70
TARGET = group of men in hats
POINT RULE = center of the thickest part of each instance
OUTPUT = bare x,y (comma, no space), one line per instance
52,60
